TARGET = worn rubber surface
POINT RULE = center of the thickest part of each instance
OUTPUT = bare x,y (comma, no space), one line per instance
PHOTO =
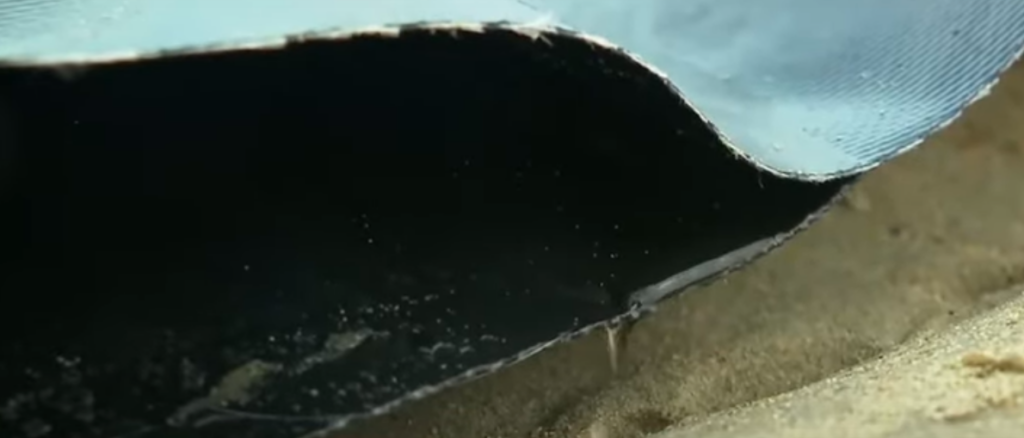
267,220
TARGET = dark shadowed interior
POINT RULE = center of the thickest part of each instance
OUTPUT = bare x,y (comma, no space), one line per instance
338,223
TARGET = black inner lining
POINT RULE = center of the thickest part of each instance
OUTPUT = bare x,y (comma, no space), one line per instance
463,196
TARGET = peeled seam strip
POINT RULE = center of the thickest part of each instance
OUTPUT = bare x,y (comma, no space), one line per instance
642,302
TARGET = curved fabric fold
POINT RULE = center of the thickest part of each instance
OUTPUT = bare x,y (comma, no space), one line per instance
269,218
814,89
806,88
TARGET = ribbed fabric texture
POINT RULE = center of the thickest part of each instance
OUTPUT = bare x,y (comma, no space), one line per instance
811,89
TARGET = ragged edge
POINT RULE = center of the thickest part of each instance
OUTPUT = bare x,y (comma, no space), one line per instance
982,93
992,81
643,301
646,299
73,65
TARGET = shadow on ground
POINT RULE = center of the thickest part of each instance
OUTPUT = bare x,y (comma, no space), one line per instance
919,244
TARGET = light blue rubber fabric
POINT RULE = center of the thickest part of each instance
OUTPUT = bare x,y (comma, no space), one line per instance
811,89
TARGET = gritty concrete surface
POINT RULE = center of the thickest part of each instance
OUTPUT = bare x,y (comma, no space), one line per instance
921,243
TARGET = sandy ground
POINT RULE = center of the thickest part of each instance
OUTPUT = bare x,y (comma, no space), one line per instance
964,381
930,241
